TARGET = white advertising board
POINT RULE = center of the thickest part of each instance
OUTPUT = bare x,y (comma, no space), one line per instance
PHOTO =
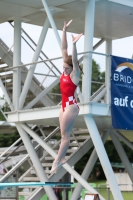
88,197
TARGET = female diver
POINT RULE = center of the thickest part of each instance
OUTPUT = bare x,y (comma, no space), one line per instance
68,84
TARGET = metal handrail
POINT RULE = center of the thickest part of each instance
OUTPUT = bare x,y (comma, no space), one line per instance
23,65
10,147
6,47
57,58
34,49
11,153
97,92
75,138
10,172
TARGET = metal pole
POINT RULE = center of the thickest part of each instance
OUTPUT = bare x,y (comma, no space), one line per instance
57,58
88,46
66,166
108,193
34,49
124,139
103,156
94,48
17,61
122,155
52,22
109,46
80,96
10,147
98,44
87,170
108,70
32,67
35,160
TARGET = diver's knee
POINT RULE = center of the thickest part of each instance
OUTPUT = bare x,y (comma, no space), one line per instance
65,136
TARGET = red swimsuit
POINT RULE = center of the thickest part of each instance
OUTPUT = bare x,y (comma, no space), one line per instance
67,88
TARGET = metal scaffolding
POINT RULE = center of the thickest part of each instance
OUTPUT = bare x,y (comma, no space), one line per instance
92,114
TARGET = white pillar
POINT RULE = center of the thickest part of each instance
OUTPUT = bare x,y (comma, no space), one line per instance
36,162
122,155
87,170
103,156
88,46
16,62
32,67
108,70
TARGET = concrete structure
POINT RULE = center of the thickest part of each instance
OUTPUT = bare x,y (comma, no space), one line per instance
104,19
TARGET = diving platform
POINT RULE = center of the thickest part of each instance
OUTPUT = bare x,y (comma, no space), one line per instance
49,116
31,106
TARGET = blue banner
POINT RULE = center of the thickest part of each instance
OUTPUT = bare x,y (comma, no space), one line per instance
122,93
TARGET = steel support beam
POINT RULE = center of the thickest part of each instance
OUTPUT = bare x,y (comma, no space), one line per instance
10,147
88,46
100,95
124,139
53,154
94,48
42,94
91,125
80,96
50,17
51,113
32,67
35,160
16,62
87,170
98,44
108,70
122,155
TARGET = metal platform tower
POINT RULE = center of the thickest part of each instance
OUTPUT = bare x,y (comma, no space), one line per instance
103,19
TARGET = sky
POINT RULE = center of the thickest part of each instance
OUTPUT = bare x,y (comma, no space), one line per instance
120,47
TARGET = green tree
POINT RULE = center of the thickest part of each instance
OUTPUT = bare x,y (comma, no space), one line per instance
8,139
97,76
2,118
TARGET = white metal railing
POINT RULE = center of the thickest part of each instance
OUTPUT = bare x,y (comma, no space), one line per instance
6,47
34,49
27,156
24,70
97,92
10,147
50,69
56,58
